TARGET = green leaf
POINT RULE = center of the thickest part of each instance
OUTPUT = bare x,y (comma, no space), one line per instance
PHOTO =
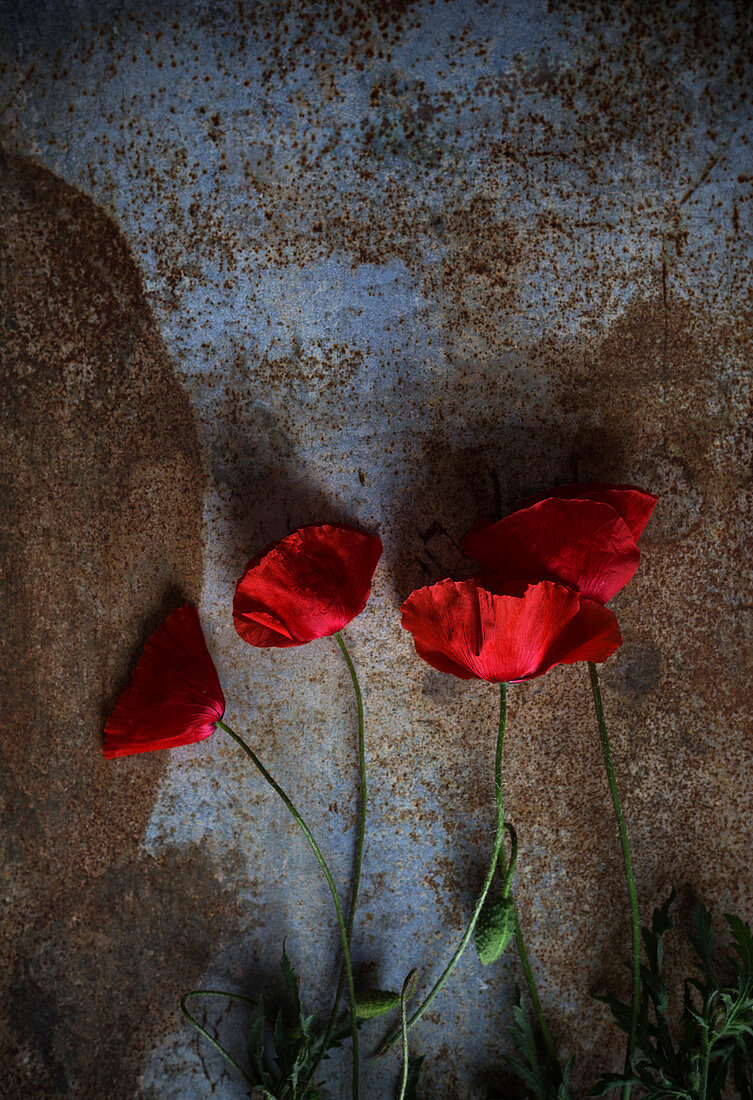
290,978
494,929
622,1012
609,1082
534,1066
376,1002
742,1069
657,989
743,942
701,935
411,1088
280,1043
661,923
563,1092
715,1033
256,1048
340,1034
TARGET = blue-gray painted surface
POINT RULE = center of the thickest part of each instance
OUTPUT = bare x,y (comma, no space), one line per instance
409,263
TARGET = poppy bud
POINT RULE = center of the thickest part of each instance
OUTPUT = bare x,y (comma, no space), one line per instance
494,929
376,1002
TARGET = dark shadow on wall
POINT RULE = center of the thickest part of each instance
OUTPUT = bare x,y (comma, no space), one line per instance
102,491
261,479
645,402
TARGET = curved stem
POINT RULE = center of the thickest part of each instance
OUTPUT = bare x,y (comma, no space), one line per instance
203,1031
509,864
330,882
358,864
404,994
628,865
533,992
364,792
499,837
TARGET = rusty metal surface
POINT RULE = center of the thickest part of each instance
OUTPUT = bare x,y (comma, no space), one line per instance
269,264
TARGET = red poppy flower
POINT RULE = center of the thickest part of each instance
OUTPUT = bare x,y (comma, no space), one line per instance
174,695
514,634
309,585
583,536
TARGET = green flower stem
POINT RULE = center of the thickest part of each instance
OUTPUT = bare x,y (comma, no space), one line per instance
203,1031
330,882
627,862
706,1059
364,792
404,994
359,861
499,837
533,992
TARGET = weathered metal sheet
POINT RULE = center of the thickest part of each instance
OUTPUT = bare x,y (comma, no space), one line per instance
269,264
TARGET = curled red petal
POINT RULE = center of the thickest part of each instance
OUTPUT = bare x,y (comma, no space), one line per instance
583,544
174,695
591,635
632,504
309,585
462,628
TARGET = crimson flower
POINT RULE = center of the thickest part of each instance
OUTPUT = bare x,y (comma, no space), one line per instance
515,633
309,585
583,536
174,695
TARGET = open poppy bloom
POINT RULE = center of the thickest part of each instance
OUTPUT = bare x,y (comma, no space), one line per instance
583,536
309,585
174,695
513,634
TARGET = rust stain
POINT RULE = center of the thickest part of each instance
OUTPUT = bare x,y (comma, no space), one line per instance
102,494
678,417
580,176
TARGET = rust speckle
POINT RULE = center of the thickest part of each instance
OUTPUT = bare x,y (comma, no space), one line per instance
102,489
423,261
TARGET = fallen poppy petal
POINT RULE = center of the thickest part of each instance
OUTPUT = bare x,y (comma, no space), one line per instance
462,628
309,585
584,544
632,504
174,695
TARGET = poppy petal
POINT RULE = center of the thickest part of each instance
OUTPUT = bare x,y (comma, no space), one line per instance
444,619
583,544
591,635
309,585
462,628
174,695
632,504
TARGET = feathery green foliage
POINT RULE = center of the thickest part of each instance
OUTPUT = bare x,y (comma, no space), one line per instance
283,1046
532,1063
709,1043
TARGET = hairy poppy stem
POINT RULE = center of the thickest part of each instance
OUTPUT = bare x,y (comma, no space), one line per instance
499,838
203,1031
364,792
533,991
404,994
627,862
358,863
330,882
